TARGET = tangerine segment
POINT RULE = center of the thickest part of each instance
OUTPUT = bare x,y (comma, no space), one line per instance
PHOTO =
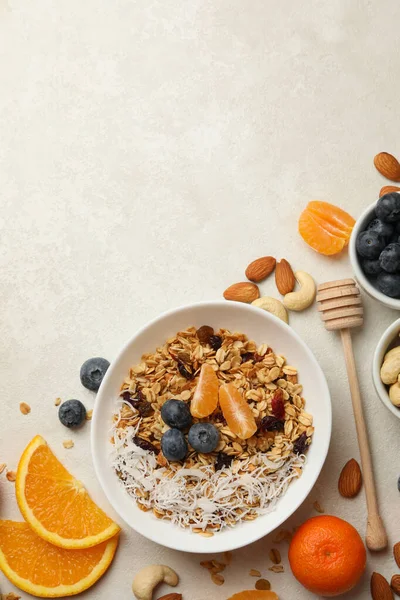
327,555
205,397
330,227
254,595
237,412
44,570
317,237
333,215
55,504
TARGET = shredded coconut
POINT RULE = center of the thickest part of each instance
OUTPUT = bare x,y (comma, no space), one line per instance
202,497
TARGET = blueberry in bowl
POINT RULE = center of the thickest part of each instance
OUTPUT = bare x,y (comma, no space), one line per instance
374,250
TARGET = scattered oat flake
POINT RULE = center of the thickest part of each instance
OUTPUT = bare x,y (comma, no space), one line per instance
68,444
10,596
206,564
276,569
2,467
283,534
24,408
318,507
11,475
254,573
206,533
263,584
217,579
89,415
275,556
57,402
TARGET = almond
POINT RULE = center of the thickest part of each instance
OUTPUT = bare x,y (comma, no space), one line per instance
260,269
395,584
380,589
172,596
396,553
350,479
284,277
388,189
388,166
242,292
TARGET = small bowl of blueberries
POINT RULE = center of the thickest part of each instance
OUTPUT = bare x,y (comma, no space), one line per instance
375,250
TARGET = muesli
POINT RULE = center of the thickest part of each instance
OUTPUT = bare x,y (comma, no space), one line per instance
254,438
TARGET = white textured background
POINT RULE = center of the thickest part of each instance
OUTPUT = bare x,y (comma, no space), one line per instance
148,151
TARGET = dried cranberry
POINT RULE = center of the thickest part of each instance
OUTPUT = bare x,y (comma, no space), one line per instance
144,444
223,460
257,357
247,356
215,342
204,333
271,423
126,396
300,446
278,406
185,370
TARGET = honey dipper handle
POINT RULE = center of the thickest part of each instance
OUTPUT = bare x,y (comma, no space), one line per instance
376,538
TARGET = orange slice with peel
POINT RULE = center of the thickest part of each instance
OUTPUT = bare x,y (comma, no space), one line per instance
237,412
55,504
44,570
255,595
205,397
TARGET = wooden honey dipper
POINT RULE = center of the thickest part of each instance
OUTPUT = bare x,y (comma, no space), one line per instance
340,305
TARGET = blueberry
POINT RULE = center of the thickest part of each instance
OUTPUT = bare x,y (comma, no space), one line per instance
371,267
72,413
394,239
369,244
397,227
389,284
93,371
388,207
203,437
390,258
173,445
176,413
383,229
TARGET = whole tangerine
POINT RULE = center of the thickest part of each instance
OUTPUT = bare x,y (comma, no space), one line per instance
327,555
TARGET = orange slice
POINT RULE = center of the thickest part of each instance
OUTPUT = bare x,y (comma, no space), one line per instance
325,227
332,215
319,238
237,412
205,397
43,570
55,504
254,595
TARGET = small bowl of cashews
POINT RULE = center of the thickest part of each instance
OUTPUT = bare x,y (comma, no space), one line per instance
386,368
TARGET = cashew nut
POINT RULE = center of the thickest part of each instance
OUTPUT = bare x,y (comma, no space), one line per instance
148,579
273,306
390,369
304,297
394,394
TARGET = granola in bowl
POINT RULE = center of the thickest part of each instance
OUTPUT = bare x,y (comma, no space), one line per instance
244,475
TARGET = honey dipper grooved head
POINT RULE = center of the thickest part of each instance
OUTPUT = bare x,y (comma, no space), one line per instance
340,304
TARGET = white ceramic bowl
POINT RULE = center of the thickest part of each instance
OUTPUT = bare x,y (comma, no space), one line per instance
367,284
389,336
260,326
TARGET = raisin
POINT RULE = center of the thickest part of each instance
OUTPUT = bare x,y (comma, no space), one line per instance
223,460
185,370
204,334
271,423
300,446
144,444
145,409
126,396
247,356
257,357
215,342
278,406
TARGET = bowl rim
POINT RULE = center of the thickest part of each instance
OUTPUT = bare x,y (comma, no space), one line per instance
384,342
246,540
354,260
